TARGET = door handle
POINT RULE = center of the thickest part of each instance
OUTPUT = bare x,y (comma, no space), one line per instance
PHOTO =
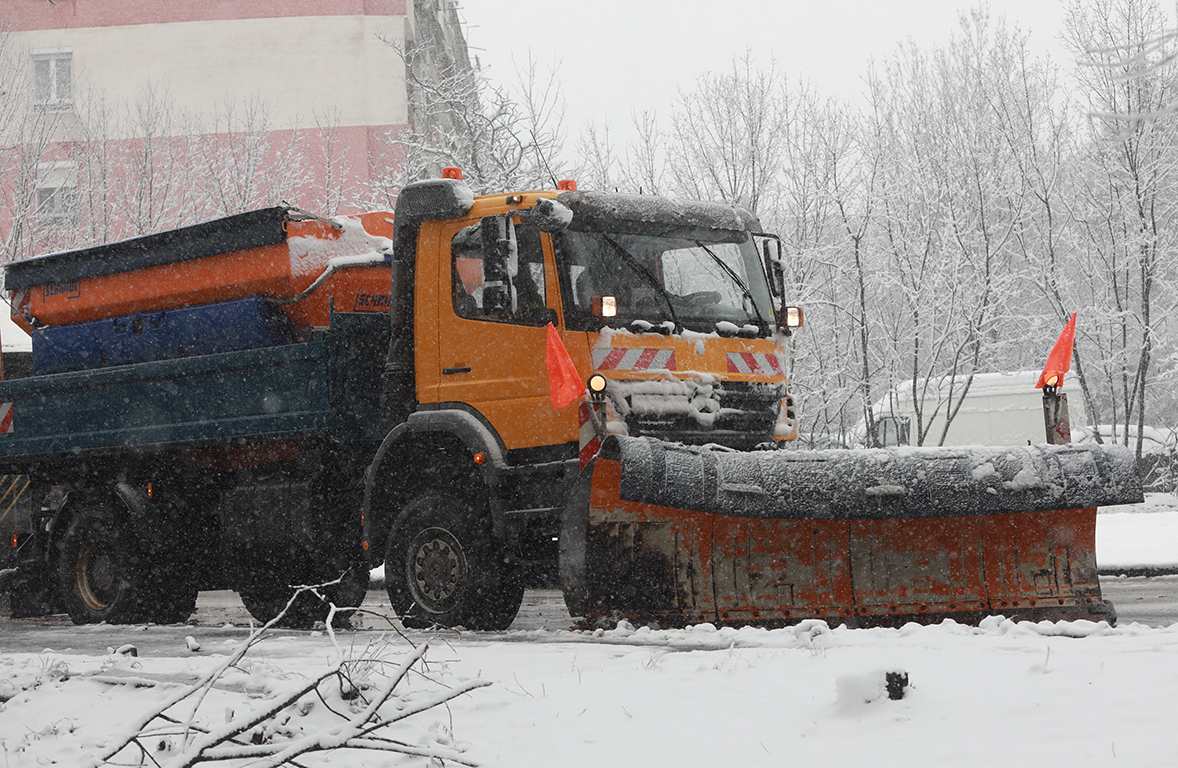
451,371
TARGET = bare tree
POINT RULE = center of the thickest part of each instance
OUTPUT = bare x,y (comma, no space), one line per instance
951,202
1127,212
244,164
646,159
729,136
147,162
327,158
457,117
598,164
30,134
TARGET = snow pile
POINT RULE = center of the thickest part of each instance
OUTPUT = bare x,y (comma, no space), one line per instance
311,255
1067,693
1154,440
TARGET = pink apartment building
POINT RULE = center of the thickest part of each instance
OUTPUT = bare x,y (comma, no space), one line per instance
195,91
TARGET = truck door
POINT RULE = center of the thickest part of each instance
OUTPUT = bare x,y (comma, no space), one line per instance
492,336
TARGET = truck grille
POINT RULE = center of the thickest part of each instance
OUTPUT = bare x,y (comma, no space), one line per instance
733,414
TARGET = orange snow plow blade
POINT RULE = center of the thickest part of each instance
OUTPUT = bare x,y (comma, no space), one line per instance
679,535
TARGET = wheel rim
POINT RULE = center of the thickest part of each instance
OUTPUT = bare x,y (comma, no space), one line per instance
437,570
96,573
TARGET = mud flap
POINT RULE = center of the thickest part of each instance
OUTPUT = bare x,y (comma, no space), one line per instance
682,535
573,531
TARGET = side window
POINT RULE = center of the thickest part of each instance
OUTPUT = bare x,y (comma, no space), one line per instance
892,430
476,298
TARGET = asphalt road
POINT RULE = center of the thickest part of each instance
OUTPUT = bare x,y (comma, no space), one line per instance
221,621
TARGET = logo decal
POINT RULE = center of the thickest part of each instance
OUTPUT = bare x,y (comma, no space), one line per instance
371,302
72,289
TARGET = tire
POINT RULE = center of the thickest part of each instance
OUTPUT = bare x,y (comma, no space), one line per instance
169,597
173,598
500,608
442,566
266,598
100,573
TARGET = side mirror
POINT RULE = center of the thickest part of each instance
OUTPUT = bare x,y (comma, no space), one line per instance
788,318
498,240
771,250
500,263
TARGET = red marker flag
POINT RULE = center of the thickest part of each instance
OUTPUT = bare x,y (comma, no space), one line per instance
1059,361
564,383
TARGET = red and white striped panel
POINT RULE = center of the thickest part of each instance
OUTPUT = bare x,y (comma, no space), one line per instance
589,439
5,418
757,363
639,359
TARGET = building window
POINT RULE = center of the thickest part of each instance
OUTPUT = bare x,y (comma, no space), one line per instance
53,77
57,185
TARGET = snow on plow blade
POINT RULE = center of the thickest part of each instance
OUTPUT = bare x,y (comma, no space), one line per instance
663,532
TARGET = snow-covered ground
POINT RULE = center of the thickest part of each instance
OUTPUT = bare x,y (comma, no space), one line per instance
1074,694
1137,536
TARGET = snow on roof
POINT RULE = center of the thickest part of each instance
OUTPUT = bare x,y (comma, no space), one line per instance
982,385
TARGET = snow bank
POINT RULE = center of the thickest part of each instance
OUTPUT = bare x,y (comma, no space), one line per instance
1138,535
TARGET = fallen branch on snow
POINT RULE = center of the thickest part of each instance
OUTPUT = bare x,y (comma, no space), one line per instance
356,721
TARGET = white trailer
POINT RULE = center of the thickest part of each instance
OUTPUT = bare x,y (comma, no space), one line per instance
997,409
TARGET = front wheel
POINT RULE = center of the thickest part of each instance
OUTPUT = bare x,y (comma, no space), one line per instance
443,567
100,573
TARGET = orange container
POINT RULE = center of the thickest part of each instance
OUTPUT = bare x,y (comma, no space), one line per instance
281,270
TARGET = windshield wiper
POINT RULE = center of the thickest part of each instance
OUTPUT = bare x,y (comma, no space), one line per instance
740,283
634,264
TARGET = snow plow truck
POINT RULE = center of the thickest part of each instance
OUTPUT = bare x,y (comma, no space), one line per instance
275,399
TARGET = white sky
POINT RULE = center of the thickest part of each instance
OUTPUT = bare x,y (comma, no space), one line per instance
617,56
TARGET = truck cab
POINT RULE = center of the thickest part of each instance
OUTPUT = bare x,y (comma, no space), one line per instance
676,304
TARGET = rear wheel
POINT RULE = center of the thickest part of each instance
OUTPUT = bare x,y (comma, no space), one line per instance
443,567
501,607
173,597
100,572
266,597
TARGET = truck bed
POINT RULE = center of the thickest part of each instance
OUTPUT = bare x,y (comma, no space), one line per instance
326,386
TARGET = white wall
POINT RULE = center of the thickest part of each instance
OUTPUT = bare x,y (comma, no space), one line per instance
297,64
11,335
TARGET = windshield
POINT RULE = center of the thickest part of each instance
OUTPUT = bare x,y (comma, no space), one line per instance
662,281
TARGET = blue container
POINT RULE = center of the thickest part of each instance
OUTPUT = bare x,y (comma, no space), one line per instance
229,326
